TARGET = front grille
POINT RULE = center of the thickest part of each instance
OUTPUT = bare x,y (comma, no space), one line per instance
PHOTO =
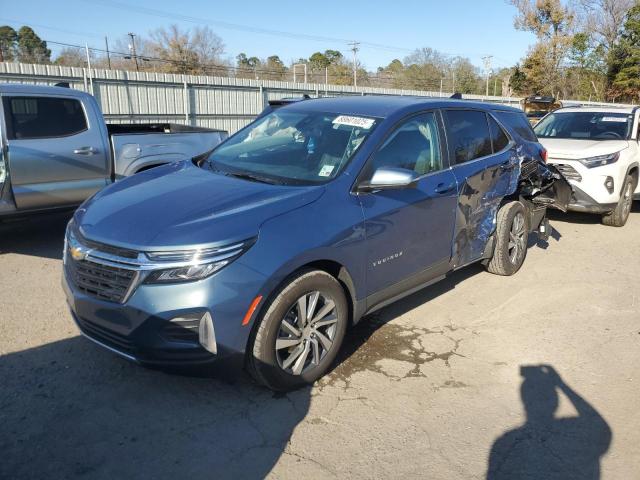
568,172
100,281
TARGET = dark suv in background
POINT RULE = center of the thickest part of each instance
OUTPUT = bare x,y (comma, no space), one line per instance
301,223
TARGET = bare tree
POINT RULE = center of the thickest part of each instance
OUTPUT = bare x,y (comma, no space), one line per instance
605,19
197,51
553,24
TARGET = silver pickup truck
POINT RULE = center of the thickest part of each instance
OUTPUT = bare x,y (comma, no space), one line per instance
56,149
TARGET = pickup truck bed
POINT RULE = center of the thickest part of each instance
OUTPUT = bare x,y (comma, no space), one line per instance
56,150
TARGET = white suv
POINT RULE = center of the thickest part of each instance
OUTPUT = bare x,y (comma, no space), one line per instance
597,150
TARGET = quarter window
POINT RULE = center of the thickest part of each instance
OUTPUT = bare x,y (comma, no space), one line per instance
519,123
44,117
414,145
499,139
469,134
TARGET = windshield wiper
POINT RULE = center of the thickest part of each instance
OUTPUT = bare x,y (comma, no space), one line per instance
251,177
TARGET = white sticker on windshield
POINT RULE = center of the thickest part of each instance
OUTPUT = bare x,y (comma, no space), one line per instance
325,171
614,119
361,122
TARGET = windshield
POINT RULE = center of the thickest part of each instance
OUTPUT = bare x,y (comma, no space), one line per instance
585,125
292,147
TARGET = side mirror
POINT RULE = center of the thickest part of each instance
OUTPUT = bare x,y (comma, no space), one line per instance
389,178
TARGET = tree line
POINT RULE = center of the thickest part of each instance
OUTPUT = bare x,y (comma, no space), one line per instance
587,49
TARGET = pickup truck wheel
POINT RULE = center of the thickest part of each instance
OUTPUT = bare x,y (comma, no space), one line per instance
299,335
512,234
620,214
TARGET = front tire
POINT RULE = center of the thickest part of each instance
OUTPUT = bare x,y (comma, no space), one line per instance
512,235
299,334
619,216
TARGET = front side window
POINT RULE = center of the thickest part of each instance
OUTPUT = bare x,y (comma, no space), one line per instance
586,125
293,147
468,134
414,145
44,117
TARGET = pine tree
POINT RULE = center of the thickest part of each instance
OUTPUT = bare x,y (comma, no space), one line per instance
8,39
31,48
624,59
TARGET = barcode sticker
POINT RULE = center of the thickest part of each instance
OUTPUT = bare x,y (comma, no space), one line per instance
614,119
351,121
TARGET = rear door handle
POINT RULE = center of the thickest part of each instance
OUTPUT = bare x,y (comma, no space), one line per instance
442,187
85,151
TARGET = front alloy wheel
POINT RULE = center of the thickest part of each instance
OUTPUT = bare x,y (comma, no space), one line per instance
300,332
306,333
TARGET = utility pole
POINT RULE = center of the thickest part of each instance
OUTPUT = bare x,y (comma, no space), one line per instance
487,67
354,48
106,44
133,49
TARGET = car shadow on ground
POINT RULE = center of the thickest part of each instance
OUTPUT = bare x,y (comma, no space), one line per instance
546,446
39,236
69,409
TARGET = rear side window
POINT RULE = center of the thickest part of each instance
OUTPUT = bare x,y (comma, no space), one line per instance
519,123
43,117
499,138
468,134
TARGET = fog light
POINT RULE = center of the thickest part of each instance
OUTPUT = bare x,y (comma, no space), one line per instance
207,334
608,184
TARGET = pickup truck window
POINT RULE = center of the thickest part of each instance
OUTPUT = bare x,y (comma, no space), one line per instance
43,117
469,134
414,145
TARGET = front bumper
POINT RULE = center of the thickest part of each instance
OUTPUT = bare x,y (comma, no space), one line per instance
581,202
590,192
142,330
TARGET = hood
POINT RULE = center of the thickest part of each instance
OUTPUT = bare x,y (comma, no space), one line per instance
182,205
571,149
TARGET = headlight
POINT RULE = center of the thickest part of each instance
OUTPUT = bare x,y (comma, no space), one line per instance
600,160
191,265
185,274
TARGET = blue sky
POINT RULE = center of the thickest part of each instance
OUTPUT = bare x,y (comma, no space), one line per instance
470,28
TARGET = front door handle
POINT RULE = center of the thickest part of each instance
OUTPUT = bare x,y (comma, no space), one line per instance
85,151
443,187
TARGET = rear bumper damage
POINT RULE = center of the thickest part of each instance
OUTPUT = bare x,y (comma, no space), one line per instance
544,186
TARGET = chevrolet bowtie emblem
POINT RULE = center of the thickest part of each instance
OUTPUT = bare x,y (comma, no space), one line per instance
77,253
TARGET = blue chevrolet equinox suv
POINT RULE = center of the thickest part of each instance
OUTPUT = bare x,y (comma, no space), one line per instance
264,252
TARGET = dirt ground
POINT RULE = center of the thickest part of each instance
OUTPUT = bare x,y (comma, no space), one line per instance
447,383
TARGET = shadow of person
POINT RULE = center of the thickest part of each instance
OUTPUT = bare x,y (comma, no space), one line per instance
69,409
546,447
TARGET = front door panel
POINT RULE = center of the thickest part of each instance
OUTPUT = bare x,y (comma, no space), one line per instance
409,231
56,153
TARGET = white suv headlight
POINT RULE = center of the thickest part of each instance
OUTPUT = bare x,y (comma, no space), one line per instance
600,160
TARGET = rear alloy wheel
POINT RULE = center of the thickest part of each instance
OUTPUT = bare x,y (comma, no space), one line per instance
619,216
512,235
300,333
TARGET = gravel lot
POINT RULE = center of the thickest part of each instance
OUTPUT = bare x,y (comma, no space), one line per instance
429,387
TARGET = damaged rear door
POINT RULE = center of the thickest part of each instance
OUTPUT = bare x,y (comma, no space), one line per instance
486,165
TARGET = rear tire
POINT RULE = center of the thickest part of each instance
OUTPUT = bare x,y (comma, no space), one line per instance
619,216
299,334
512,234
